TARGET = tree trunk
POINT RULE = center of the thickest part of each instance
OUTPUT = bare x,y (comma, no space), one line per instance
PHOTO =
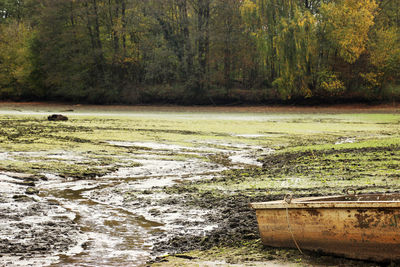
184,21
203,18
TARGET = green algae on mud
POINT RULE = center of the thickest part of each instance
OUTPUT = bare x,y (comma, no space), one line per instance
253,253
318,171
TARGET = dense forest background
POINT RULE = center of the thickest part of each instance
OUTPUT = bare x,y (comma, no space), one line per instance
199,51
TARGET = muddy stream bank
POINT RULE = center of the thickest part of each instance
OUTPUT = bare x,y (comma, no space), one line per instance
124,218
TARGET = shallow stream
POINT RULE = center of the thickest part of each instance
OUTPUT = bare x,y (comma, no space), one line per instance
120,216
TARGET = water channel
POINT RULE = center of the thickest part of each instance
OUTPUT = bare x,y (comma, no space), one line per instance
116,228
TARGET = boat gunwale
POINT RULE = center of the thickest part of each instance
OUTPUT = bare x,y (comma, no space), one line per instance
330,202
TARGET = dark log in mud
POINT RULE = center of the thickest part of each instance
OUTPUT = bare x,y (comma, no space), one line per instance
57,117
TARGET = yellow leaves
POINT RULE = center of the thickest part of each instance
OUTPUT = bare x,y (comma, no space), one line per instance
346,24
329,82
129,60
372,79
248,10
306,92
385,48
333,85
247,6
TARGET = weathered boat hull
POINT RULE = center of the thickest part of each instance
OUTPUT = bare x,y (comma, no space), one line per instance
365,229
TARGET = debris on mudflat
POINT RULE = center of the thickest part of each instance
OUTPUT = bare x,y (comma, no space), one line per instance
31,191
57,117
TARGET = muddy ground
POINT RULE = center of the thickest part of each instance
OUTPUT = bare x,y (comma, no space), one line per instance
33,230
168,187
237,227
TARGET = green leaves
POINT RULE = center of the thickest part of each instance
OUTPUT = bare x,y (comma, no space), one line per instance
15,66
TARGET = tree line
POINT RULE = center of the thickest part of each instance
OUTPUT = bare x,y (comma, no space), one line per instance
199,51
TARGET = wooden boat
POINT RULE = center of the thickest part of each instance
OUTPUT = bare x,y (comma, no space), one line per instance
365,226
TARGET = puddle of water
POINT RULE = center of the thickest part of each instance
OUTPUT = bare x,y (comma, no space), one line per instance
165,168
250,158
56,183
250,135
150,145
244,159
345,140
4,156
168,147
227,147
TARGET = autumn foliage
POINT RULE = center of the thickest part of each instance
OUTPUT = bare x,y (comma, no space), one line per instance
199,51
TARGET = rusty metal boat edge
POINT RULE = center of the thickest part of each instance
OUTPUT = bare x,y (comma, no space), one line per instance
365,226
